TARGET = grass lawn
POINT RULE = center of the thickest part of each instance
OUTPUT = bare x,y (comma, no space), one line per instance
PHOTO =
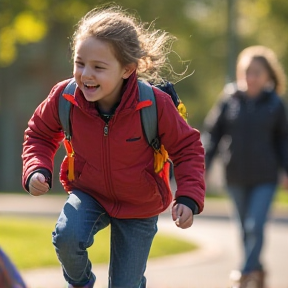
281,197
27,241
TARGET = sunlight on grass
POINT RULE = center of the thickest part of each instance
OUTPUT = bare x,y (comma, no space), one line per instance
281,197
27,241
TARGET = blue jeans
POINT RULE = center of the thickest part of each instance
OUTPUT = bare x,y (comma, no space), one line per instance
252,206
81,218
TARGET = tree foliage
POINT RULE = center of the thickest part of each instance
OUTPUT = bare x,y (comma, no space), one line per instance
34,51
201,27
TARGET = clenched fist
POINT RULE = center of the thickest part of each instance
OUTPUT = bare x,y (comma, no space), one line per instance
38,185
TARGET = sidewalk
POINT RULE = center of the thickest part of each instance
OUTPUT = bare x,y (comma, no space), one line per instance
215,209
208,267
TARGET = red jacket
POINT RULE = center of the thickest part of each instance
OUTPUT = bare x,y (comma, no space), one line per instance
117,169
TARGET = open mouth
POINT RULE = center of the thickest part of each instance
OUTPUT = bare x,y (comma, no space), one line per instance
88,86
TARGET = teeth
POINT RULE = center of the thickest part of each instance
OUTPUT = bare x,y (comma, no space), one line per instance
90,86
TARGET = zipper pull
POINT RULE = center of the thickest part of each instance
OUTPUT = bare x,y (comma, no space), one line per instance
106,130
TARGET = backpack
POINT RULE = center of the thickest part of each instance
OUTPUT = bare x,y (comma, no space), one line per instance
9,275
148,114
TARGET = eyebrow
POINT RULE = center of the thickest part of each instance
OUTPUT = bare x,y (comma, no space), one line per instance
95,61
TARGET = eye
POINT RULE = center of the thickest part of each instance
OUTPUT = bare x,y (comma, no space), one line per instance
99,67
78,63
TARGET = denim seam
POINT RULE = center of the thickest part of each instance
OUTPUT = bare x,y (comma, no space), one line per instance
95,224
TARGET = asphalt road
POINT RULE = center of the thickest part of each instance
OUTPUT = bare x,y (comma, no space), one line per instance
209,267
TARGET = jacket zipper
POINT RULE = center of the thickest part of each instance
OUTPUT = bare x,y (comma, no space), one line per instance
106,129
107,165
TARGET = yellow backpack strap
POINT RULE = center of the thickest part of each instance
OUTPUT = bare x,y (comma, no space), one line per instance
149,121
64,107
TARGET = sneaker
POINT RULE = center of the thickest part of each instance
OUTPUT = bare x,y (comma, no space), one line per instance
235,277
90,284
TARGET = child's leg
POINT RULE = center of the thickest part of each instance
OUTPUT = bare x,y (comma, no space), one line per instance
81,218
131,241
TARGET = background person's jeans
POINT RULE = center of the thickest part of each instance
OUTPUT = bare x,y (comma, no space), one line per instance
81,218
252,206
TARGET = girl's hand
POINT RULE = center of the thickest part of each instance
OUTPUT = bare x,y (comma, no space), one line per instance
182,215
38,185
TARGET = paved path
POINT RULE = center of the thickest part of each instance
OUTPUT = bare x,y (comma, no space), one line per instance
208,267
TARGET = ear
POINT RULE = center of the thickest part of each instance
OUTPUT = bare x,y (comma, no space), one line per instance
128,70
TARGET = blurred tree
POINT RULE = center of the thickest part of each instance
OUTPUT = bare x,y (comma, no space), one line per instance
35,54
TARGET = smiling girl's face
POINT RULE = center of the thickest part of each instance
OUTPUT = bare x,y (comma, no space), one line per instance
98,73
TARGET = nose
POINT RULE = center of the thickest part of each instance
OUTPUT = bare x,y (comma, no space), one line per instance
86,73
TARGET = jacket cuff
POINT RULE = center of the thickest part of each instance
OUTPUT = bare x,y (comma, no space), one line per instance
47,174
189,203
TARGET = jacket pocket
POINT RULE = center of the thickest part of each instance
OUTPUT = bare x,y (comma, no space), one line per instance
162,186
63,175
79,165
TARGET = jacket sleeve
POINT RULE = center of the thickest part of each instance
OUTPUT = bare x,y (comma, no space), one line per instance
185,150
42,137
213,131
281,136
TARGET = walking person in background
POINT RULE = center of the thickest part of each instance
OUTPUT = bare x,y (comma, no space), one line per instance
249,129
110,175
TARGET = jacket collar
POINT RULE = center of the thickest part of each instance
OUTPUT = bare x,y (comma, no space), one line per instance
264,95
129,98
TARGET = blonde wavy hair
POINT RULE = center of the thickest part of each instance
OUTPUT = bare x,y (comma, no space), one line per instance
130,40
270,62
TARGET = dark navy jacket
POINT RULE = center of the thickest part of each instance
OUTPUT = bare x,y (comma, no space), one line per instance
251,136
